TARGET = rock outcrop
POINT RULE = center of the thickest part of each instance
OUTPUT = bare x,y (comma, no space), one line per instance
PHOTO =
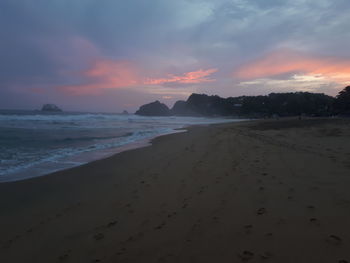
51,108
283,104
154,109
181,108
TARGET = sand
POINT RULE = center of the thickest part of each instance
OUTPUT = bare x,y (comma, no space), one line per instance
259,191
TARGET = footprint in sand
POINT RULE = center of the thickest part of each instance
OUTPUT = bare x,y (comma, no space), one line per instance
131,238
261,211
112,223
122,251
160,226
314,221
246,255
334,240
65,256
266,255
99,236
172,214
281,221
248,228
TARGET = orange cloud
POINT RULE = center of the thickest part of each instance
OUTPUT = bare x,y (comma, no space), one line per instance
111,74
288,61
198,76
104,74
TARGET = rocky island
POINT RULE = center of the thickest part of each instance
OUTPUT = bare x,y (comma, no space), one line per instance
154,109
51,108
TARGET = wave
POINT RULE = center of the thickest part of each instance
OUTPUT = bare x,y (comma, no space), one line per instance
93,138
35,141
55,156
54,118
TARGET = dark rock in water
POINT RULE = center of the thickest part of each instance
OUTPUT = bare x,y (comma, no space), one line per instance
153,109
50,107
125,112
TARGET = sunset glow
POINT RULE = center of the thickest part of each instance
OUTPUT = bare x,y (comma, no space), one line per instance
198,76
292,62
109,74
133,52
104,74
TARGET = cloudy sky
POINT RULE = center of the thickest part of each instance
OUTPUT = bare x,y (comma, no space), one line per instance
111,55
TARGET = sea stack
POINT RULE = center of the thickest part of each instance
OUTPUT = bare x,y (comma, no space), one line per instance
153,109
50,108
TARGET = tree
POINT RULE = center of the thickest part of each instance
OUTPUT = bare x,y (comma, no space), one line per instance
342,101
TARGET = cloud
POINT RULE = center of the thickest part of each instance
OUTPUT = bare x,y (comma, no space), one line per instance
137,43
104,74
288,63
113,74
310,83
198,76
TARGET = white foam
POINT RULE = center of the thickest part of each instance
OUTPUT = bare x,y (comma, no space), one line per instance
135,128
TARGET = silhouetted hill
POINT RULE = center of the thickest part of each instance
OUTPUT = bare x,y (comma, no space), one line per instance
281,104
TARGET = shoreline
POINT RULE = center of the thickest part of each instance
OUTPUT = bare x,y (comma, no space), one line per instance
106,153
254,190
142,143
60,163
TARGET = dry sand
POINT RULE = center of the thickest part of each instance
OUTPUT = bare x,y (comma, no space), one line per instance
262,191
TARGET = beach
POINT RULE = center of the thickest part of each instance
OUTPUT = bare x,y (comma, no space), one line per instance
254,191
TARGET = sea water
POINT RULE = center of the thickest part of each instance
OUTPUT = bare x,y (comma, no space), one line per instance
34,143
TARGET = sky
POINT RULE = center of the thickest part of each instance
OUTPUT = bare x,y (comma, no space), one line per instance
113,55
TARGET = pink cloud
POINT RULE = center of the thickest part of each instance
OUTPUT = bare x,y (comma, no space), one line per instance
104,74
198,76
113,74
289,62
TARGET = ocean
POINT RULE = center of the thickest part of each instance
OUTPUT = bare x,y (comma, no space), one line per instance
34,143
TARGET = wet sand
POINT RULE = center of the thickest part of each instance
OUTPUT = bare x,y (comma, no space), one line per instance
259,191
